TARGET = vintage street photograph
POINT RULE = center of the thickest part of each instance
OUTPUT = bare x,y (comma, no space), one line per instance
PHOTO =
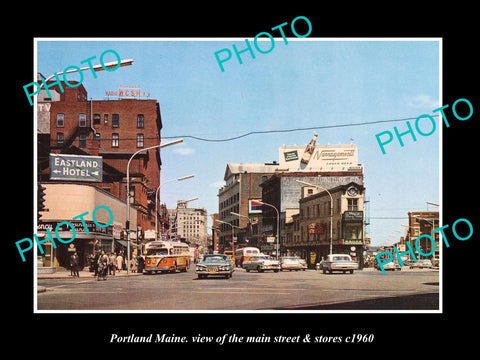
277,173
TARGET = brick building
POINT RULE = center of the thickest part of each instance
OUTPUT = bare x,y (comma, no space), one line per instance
114,130
422,222
242,184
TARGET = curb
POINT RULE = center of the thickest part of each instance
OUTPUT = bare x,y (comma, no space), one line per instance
86,276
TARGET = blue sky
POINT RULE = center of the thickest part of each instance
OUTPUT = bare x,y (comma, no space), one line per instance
305,83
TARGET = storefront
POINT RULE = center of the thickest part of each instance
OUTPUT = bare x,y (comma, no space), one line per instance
84,243
77,220
352,230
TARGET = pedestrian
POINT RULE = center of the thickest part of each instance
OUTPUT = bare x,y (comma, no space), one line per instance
95,262
133,264
102,264
91,260
112,264
74,262
141,263
119,260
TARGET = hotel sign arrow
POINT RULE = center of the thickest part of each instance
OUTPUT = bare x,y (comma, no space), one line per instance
76,167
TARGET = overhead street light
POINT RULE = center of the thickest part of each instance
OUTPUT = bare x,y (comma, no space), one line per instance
233,231
157,193
278,226
96,68
127,220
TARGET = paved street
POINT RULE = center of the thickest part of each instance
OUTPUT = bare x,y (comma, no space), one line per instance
303,290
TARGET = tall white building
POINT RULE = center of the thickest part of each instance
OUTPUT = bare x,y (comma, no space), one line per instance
189,224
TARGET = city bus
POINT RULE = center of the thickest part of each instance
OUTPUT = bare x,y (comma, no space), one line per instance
166,256
243,254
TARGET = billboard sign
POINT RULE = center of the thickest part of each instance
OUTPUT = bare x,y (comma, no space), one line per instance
323,158
76,167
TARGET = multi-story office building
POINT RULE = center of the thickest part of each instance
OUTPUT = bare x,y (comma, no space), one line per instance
189,225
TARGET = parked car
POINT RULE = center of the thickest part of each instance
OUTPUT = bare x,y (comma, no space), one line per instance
290,263
214,265
421,264
391,266
304,264
261,263
319,265
339,262
407,262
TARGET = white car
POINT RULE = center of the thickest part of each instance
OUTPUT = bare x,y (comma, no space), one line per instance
339,262
391,266
290,263
261,263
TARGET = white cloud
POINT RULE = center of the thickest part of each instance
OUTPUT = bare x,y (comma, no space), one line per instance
184,150
422,101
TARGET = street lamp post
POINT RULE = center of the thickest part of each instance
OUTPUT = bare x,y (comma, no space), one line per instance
233,231
331,210
248,219
127,220
96,68
278,226
157,193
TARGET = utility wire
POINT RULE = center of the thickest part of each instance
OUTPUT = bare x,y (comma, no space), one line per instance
290,130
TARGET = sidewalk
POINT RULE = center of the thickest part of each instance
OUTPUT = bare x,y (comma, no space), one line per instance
83,274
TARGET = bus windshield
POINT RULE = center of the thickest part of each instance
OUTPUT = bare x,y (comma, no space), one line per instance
157,252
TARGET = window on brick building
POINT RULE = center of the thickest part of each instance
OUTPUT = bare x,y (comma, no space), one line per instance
140,120
60,120
96,119
115,120
96,137
140,140
82,120
82,140
105,119
60,139
115,140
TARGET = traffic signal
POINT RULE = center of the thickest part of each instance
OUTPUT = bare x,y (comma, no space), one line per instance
40,200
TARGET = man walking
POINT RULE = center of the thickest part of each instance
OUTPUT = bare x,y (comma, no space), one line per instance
74,264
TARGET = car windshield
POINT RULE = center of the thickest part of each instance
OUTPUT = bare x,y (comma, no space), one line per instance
215,258
153,252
